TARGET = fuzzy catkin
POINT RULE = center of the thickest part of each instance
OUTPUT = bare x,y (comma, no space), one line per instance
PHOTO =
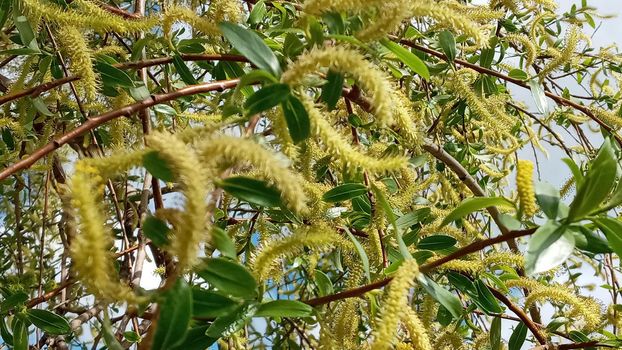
74,45
394,306
347,61
525,189
183,161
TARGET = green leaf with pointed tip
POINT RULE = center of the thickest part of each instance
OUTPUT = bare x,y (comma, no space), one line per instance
408,58
251,46
495,334
48,322
183,70
448,44
156,230
297,118
331,91
284,308
470,205
229,278
20,334
251,190
344,192
361,252
442,295
266,98
612,228
549,247
224,243
209,304
518,337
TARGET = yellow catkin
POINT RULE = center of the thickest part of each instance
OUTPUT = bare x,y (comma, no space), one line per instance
273,168
565,55
347,61
346,323
268,257
90,249
341,148
183,14
184,162
416,330
394,305
76,48
529,47
587,309
524,187
506,258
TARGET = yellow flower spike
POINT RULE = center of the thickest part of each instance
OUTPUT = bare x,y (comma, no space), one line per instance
507,258
417,331
184,162
565,55
90,249
346,323
395,303
183,14
530,48
336,145
347,61
230,149
446,17
524,185
266,260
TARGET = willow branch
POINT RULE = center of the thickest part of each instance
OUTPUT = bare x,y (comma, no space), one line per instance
126,111
521,314
562,101
471,248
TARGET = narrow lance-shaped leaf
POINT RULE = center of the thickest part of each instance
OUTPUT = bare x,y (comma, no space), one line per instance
250,45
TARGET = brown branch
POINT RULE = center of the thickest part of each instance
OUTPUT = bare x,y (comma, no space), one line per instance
562,101
126,111
39,89
471,248
521,314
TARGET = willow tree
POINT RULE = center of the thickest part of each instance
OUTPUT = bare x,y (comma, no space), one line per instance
321,174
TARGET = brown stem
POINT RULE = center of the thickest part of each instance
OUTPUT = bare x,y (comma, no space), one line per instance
126,111
521,314
471,248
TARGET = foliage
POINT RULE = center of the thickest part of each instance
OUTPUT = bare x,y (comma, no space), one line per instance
317,174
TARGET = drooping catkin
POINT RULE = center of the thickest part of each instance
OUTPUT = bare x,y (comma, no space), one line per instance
347,61
395,303
80,55
565,55
525,188
416,330
184,161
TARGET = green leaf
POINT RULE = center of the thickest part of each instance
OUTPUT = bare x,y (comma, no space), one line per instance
40,106
18,298
361,252
266,98
297,118
20,334
331,91
229,324
113,76
549,247
48,321
257,13
615,199
132,337
157,166
442,295
284,308
518,337
229,278
486,57
548,199
518,74
6,336
156,230
164,109
436,242
448,44
108,334
344,192
612,228
26,33
486,300
408,58
196,339
323,283
224,243
495,334
251,190
596,185
539,97
209,304
175,316
470,205
251,46
183,70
